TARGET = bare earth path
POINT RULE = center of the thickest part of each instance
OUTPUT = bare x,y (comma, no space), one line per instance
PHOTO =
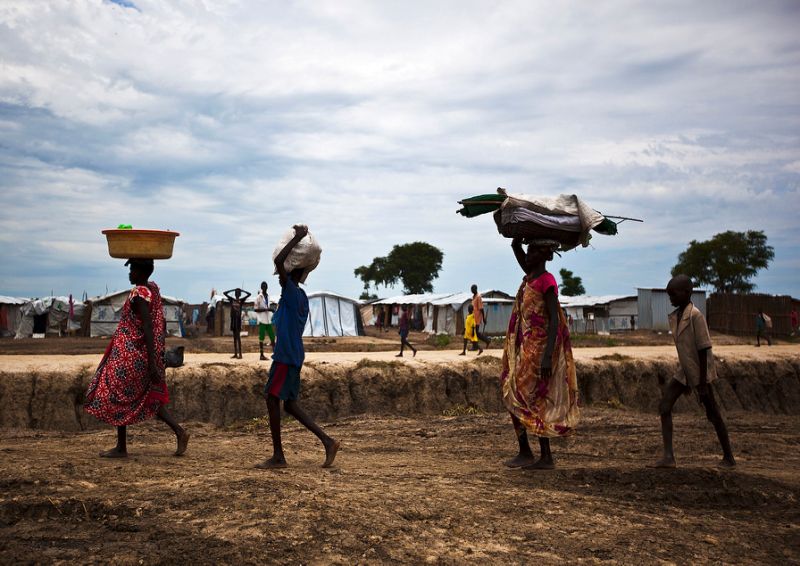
16,362
426,490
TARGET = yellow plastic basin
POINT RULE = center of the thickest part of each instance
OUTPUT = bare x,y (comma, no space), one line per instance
140,244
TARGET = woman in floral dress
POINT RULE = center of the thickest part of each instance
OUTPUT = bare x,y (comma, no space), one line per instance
538,380
129,386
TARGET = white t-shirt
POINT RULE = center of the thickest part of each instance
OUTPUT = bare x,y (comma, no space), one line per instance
263,303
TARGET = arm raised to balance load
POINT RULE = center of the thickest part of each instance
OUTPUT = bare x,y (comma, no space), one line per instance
300,232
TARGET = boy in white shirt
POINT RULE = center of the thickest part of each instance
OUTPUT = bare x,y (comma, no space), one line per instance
264,316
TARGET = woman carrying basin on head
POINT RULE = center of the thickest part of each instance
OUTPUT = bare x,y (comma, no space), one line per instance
129,385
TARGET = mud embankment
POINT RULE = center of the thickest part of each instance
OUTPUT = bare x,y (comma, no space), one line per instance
225,393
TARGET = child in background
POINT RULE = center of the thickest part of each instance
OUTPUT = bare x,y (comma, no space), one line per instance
237,306
470,332
696,370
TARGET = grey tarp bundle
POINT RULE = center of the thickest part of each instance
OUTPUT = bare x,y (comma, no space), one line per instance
565,218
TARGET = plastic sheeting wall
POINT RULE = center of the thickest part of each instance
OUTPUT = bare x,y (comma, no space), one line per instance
331,316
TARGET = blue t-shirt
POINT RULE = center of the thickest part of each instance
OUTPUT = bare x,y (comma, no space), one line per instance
290,321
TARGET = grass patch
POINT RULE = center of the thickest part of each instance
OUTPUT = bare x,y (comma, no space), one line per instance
441,341
461,410
615,357
378,364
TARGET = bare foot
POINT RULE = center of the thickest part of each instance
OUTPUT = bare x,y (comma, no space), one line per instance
520,461
114,453
233,357
541,464
463,354
399,356
183,443
272,464
263,357
665,462
727,462
415,354
330,453
480,351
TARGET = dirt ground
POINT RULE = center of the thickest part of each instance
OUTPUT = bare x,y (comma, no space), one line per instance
422,490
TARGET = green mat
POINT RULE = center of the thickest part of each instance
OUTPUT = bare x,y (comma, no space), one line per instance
481,204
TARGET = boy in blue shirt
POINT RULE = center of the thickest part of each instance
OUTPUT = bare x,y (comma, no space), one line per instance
287,360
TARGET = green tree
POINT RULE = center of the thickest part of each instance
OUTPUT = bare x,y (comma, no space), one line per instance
727,262
416,265
571,286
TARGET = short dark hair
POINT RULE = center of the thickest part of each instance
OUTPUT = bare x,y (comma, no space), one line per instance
143,266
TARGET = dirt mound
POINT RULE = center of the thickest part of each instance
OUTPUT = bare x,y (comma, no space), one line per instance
222,393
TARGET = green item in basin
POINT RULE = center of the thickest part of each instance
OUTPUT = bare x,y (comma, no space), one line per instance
124,227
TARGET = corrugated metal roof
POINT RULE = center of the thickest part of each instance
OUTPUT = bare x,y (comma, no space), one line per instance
591,300
455,299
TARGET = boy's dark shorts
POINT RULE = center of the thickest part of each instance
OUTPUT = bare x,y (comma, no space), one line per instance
283,382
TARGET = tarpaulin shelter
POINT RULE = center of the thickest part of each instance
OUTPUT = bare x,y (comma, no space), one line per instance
331,314
50,315
10,314
105,312
444,313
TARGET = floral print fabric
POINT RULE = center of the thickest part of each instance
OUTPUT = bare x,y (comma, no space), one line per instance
545,407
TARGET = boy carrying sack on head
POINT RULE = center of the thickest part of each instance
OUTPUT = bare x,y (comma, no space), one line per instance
289,354
696,370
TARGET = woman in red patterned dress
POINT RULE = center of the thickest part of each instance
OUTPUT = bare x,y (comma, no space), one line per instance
129,385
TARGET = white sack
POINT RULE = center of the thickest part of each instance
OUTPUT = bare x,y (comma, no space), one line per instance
306,254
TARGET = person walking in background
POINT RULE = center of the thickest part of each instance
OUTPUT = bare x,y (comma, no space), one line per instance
264,316
538,382
763,327
480,315
470,333
403,329
237,307
130,385
696,371
794,320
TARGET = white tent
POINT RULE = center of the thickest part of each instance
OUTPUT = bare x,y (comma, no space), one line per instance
331,314
48,316
106,311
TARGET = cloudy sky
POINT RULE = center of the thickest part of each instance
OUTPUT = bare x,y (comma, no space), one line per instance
229,121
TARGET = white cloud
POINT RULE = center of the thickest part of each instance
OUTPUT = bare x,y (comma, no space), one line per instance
229,121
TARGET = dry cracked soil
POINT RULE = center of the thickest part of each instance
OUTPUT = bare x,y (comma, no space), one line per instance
418,490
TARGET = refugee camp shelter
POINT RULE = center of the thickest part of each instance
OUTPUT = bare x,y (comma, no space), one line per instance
48,316
105,311
600,314
444,313
654,308
331,314
10,314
